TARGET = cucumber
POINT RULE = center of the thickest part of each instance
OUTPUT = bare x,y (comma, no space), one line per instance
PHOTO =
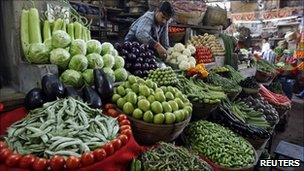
24,31
34,26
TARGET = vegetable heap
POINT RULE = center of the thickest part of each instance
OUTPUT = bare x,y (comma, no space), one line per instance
265,66
277,100
234,75
64,127
181,56
144,100
209,41
228,85
250,82
219,144
198,91
199,70
163,76
172,158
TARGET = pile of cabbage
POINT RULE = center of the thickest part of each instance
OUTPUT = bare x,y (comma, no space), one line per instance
181,56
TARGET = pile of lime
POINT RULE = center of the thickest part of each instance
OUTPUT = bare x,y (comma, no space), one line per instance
142,99
163,76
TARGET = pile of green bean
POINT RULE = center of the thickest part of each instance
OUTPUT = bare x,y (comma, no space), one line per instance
63,127
219,144
168,157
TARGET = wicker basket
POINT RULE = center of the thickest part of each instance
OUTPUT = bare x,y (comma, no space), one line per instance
263,76
149,134
193,18
215,16
177,37
257,143
202,110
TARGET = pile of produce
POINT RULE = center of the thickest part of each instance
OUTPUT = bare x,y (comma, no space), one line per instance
234,75
277,100
198,91
166,156
173,29
181,56
265,66
219,144
199,70
228,85
261,105
250,82
203,55
144,100
220,69
163,76
139,58
209,41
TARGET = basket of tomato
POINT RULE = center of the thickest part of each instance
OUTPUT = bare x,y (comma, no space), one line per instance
176,34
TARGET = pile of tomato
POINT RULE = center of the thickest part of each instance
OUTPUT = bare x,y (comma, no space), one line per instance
203,55
57,162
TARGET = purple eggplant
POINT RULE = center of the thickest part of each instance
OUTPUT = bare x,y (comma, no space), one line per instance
52,87
128,65
135,44
72,92
34,98
132,57
91,97
145,73
118,46
127,45
103,86
142,48
137,66
135,51
140,60
145,66
138,73
143,55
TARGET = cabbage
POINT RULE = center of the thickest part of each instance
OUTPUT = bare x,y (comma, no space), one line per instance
110,74
48,44
60,39
78,46
72,78
120,74
108,60
60,57
178,47
114,52
119,62
38,53
106,48
88,76
95,61
93,46
78,63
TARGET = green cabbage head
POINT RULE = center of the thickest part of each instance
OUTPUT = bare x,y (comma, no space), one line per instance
60,39
78,63
72,78
38,53
95,61
60,57
93,46
78,46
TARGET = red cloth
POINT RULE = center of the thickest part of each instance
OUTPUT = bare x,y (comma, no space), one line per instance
117,162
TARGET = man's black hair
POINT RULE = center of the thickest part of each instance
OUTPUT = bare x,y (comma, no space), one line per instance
272,47
166,8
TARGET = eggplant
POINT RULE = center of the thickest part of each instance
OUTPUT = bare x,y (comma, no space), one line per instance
34,98
103,86
135,44
145,73
127,45
52,87
118,46
139,60
145,66
152,61
152,53
128,66
132,57
143,55
148,54
72,92
124,52
138,73
142,48
137,66
91,97
135,51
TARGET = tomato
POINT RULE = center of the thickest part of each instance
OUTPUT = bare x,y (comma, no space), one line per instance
2,145
112,112
13,160
57,162
121,117
99,154
123,127
124,122
116,144
123,138
87,158
27,161
108,147
73,162
109,106
40,164
127,132
4,154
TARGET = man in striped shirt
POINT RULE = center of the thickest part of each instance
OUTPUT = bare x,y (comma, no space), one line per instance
152,28
269,55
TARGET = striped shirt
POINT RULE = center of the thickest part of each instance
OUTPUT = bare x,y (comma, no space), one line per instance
145,30
270,56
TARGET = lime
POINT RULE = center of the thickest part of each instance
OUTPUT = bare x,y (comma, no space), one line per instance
128,108
137,113
156,107
121,90
148,116
159,96
179,102
115,97
166,107
121,102
135,88
169,118
144,105
151,98
132,79
159,118
132,98
173,105
169,96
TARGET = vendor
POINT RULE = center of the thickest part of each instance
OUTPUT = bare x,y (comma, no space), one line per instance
152,29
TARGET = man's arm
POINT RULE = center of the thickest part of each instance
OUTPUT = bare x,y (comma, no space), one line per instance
143,32
164,38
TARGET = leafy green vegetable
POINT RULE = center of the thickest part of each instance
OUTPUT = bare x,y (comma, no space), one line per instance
78,63
119,62
93,46
60,57
78,46
106,48
88,76
60,39
95,60
120,74
72,78
38,54
108,60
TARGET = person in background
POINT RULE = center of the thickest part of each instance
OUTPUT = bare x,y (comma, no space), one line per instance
152,29
269,55
265,45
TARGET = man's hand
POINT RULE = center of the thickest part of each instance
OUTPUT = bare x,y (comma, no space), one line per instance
161,51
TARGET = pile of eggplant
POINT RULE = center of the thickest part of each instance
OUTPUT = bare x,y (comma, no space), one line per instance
53,88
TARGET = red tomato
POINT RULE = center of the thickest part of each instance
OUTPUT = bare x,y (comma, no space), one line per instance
116,144
127,132
4,154
2,145
108,147
57,162
124,122
13,160
27,161
99,154
73,162
40,164
123,127
112,112
109,106
87,158
123,138
121,117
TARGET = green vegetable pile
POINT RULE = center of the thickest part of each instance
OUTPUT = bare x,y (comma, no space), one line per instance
142,99
198,91
228,85
219,144
265,66
169,157
163,76
63,127
234,75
